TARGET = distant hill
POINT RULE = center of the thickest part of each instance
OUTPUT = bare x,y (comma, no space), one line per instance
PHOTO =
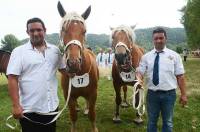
176,37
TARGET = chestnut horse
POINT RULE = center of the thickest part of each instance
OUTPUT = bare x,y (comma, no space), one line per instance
127,57
4,59
80,64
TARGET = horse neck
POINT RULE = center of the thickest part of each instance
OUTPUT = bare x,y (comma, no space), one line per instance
136,56
86,64
3,62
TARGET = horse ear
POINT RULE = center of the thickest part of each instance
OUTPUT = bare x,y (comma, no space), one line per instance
61,9
133,27
86,13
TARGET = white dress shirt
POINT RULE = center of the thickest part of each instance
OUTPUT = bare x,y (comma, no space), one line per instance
101,62
109,64
170,65
37,76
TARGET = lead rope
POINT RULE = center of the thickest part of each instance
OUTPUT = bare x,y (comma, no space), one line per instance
141,107
52,113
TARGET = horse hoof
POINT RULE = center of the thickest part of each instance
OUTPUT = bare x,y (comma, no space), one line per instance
124,105
138,121
116,120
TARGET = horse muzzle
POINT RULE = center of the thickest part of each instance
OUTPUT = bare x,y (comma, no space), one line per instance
73,65
123,61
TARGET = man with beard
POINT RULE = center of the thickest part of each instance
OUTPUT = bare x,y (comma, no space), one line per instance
32,81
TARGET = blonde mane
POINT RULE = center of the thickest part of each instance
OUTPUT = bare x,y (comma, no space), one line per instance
128,30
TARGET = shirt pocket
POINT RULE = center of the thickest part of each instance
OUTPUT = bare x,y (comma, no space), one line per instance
32,62
167,65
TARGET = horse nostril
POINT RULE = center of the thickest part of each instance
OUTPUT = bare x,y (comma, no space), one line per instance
80,60
73,62
120,58
69,62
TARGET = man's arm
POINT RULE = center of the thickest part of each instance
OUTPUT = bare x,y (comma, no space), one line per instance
13,90
139,77
182,85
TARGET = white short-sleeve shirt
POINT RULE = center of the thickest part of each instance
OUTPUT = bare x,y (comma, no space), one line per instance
37,76
170,65
109,62
101,59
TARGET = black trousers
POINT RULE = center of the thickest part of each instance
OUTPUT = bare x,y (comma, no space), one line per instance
185,57
28,126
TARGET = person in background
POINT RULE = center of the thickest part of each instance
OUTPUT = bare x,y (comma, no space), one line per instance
100,59
32,82
109,61
165,71
185,54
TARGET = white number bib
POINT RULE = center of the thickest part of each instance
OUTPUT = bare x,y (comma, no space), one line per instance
128,76
80,81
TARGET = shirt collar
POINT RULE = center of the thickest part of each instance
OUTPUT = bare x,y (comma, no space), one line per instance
164,50
29,45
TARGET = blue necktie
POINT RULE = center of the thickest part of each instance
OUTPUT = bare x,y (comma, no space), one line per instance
109,58
156,70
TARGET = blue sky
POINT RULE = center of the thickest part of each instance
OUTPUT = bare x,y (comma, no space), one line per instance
105,13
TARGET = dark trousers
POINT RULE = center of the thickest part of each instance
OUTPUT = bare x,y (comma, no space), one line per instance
185,57
160,102
28,126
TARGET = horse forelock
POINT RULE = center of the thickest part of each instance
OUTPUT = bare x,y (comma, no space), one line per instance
70,17
128,30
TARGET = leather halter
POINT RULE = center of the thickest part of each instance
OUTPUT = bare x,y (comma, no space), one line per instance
122,44
76,42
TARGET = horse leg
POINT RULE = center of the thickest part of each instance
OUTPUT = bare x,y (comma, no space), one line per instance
92,113
77,106
86,110
118,100
73,114
125,103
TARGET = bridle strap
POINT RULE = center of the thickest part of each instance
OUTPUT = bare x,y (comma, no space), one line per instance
76,42
122,44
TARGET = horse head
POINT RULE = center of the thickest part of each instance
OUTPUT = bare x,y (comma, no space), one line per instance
72,35
123,38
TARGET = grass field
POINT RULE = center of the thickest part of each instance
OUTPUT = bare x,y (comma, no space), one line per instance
185,119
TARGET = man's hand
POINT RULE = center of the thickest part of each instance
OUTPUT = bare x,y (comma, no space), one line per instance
139,77
183,100
65,73
17,112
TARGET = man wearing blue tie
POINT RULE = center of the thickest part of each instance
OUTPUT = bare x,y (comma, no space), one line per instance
164,70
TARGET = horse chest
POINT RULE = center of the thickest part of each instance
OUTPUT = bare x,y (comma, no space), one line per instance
127,76
80,81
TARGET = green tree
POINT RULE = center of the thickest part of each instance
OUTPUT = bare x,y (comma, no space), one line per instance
179,49
191,22
9,42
